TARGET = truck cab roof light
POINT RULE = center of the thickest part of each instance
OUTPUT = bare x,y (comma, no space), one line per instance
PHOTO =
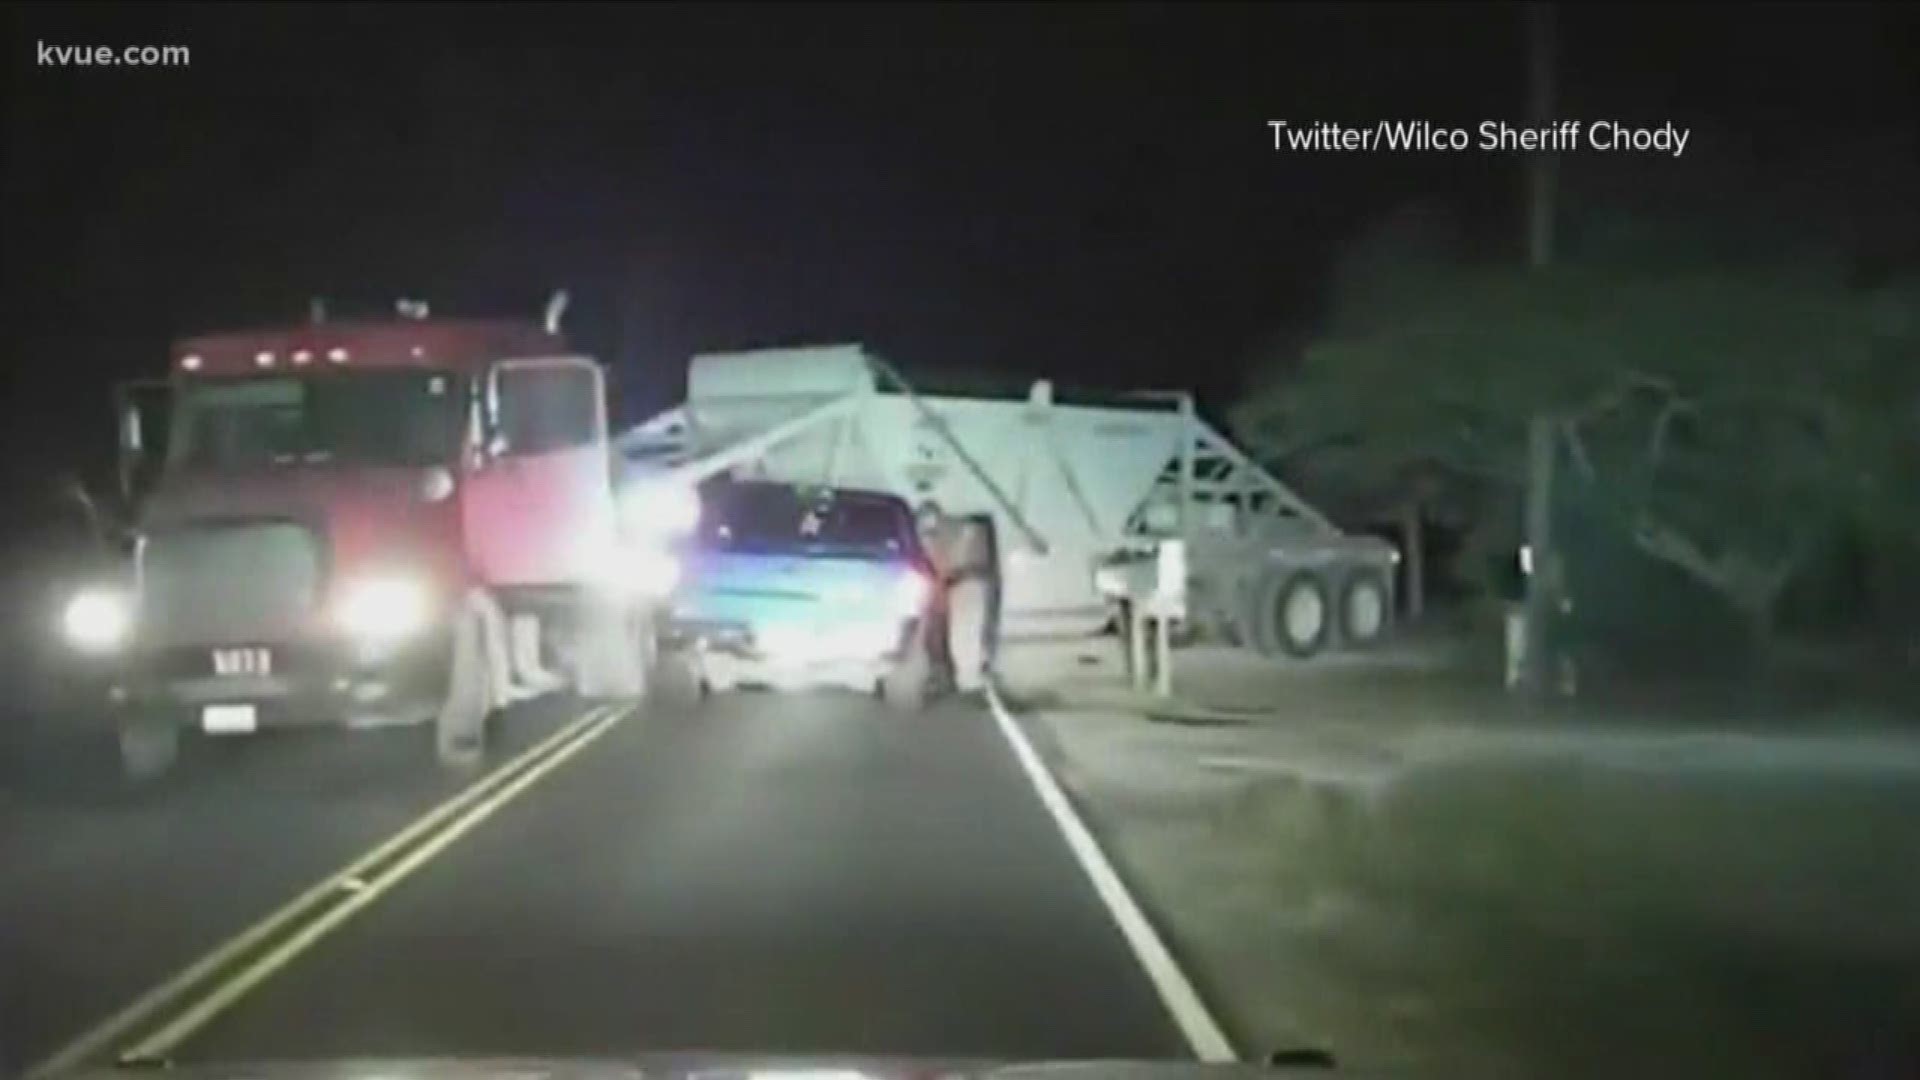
190,362
301,356
263,358
419,351
337,355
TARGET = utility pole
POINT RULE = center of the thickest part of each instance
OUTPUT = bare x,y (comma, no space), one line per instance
1413,535
1542,561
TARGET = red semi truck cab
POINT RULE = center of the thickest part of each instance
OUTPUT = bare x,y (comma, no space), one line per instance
338,523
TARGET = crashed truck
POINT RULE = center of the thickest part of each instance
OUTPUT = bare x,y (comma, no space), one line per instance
364,523
1078,499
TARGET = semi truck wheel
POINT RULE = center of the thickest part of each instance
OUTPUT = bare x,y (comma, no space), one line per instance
1363,607
1295,616
149,746
460,729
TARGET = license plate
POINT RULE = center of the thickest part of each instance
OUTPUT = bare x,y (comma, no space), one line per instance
242,662
229,719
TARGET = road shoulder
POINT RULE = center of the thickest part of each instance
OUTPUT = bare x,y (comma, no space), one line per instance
1373,866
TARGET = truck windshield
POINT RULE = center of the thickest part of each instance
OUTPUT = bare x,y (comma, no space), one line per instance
365,418
778,520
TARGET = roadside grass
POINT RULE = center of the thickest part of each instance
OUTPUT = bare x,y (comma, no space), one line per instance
1412,871
1520,915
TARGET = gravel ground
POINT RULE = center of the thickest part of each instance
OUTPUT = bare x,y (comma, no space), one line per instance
1382,858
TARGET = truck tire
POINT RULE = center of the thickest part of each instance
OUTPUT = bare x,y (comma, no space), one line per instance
1363,607
1295,616
460,729
149,747
906,687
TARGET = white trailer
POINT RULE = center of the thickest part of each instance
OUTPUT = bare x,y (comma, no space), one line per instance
1076,493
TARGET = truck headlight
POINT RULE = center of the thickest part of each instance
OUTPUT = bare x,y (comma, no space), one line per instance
97,619
385,608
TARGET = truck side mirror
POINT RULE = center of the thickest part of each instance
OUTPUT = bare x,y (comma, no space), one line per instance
131,446
143,420
484,444
74,490
105,517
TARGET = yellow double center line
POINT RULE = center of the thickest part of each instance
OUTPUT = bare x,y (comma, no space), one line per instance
172,1012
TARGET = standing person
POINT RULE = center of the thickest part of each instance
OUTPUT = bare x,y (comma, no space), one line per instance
957,547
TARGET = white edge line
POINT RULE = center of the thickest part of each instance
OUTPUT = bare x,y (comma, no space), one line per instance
1183,1003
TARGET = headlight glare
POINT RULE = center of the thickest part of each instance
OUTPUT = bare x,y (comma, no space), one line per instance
97,619
661,509
911,592
655,572
384,608
641,570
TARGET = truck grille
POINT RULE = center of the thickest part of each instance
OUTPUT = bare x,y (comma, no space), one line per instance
225,583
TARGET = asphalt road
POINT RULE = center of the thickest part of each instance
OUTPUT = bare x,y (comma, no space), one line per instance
780,873
104,892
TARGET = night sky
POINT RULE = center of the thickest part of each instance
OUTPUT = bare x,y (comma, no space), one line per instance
1084,192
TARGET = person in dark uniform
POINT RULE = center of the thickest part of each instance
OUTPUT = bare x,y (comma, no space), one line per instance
958,548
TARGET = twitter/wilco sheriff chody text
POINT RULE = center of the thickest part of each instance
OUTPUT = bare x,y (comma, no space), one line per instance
1498,136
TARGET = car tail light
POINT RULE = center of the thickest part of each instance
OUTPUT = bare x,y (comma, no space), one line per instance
911,591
